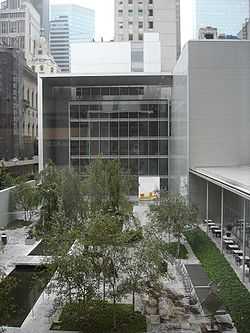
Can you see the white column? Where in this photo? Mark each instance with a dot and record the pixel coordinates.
(244, 239)
(222, 217)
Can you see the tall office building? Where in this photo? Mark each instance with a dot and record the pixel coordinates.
(19, 27)
(59, 42)
(81, 21)
(226, 15)
(42, 6)
(134, 17)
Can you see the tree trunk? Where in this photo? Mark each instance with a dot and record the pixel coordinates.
(104, 289)
(114, 303)
(178, 247)
(133, 296)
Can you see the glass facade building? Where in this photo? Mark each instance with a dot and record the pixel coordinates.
(81, 21)
(225, 15)
(125, 118)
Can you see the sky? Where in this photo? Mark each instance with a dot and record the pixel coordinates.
(105, 17)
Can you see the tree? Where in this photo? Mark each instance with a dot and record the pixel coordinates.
(172, 214)
(49, 189)
(6, 301)
(106, 187)
(6, 180)
(27, 198)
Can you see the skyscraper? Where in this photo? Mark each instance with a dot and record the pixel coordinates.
(42, 6)
(81, 21)
(226, 15)
(59, 42)
(134, 17)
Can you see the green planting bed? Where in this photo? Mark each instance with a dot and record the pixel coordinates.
(232, 293)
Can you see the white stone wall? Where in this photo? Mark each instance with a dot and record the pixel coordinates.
(6, 214)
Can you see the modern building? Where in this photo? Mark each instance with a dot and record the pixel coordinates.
(115, 116)
(60, 42)
(20, 27)
(117, 57)
(245, 31)
(209, 150)
(18, 106)
(42, 61)
(208, 33)
(81, 21)
(133, 18)
(226, 15)
(42, 6)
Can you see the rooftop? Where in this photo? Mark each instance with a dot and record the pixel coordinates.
(234, 178)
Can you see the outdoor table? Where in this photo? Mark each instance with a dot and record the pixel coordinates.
(213, 227)
(234, 248)
(228, 241)
(240, 259)
(217, 232)
(237, 252)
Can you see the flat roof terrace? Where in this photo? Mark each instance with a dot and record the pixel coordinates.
(233, 178)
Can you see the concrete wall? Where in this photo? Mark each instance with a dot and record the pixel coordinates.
(6, 207)
(219, 117)
(101, 57)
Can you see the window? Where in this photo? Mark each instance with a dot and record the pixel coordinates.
(140, 25)
(143, 128)
(140, 12)
(133, 147)
(163, 147)
(94, 129)
(153, 167)
(123, 129)
(153, 147)
(114, 147)
(84, 148)
(150, 2)
(143, 147)
(150, 12)
(153, 128)
(104, 126)
(130, 37)
(130, 12)
(150, 24)
(74, 130)
(74, 148)
(133, 128)
(114, 129)
(130, 2)
(41, 68)
(140, 36)
(84, 130)
(94, 147)
(163, 166)
(120, 12)
(163, 128)
(133, 166)
(104, 148)
(143, 166)
(123, 147)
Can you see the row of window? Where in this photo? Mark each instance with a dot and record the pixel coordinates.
(131, 2)
(144, 167)
(109, 91)
(12, 15)
(118, 111)
(132, 13)
(15, 42)
(12, 27)
(119, 147)
(119, 129)
(140, 25)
